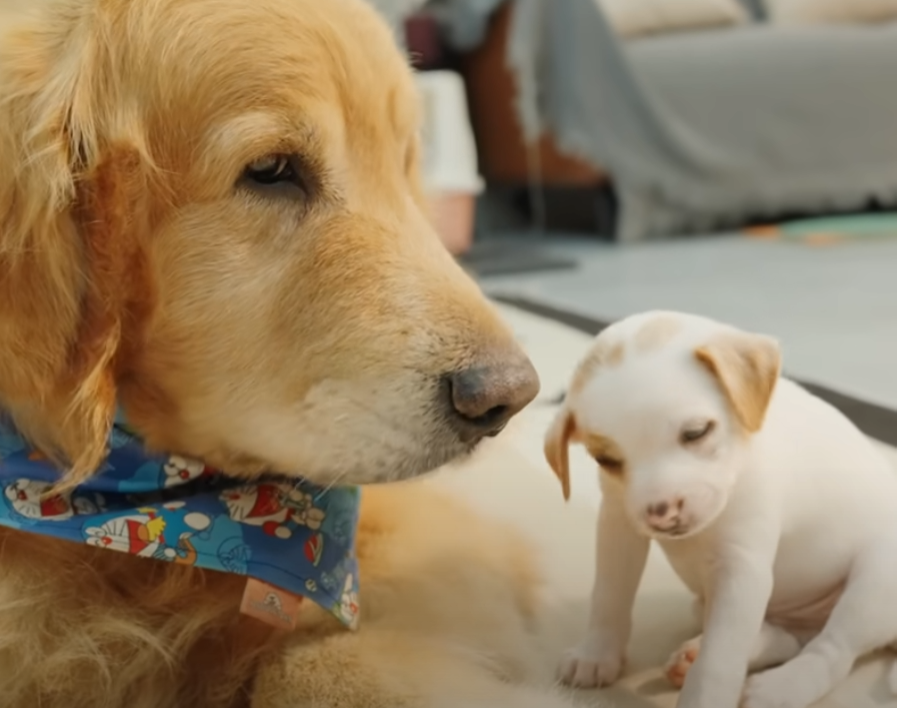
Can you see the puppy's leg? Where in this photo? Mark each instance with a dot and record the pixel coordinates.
(621, 558)
(773, 646)
(861, 622)
(379, 668)
(737, 598)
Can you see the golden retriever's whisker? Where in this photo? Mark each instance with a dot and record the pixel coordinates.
(330, 486)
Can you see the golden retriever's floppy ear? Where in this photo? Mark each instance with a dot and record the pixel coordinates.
(747, 368)
(557, 446)
(109, 211)
(67, 245)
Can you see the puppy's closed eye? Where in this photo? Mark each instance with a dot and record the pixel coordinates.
(606, 453)
(695, 432)
(610, 465)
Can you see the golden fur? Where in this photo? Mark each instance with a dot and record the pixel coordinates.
(305, 330)
(444, 594)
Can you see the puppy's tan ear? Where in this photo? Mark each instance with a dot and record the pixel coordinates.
(67, 244)
(747, 367)
(557, 447)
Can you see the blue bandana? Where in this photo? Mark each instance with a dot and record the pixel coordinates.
(286, 534)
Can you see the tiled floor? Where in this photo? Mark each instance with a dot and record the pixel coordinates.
(833, 307)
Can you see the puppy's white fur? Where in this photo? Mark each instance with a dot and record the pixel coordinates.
(773, 508)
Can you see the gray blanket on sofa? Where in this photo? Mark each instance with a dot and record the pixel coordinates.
(705, 130)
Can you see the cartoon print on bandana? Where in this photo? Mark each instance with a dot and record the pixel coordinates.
(314, 547)
(235, 555)
(168, 508)
(180, 470)
(348, 609)
(151, 533)
(276, 508)
(31, 499)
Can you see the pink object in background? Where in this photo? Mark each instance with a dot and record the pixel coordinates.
(450, 170)
(453, 216)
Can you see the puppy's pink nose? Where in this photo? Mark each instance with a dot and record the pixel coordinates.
(664, 514)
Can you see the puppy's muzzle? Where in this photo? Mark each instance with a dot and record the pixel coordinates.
(666, 517)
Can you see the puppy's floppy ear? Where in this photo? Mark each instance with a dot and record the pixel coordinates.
(747, 367)
(67, 243)
(557, 446)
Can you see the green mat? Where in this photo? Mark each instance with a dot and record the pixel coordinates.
(832, 228)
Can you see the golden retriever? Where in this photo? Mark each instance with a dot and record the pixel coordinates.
(210, 216)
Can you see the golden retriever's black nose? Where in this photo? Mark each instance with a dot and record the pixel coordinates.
(486, 398)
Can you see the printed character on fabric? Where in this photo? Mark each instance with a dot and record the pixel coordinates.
(35, 500)
(276, 508)
(348, 605)
(163, 533)
(286, 533)
(180, 470)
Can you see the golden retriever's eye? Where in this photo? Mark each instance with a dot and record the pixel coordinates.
(696, 433)
(609, 464)
(274, 170)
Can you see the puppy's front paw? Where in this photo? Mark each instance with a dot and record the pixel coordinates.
(680, 662)
(593, 664)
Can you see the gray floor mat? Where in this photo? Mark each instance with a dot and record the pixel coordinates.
(507, 257)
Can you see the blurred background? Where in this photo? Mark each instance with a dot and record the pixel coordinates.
(587, 159)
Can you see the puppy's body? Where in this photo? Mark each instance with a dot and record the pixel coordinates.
(776, 512)
(832, 493)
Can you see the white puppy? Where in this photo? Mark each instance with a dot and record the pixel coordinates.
(776, 512)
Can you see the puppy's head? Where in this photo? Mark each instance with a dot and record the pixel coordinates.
(210, 215)
(667, 404)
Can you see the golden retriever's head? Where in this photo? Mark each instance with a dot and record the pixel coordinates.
(210, 215)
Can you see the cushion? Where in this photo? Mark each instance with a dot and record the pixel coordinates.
(633, 18)
(795, 12)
